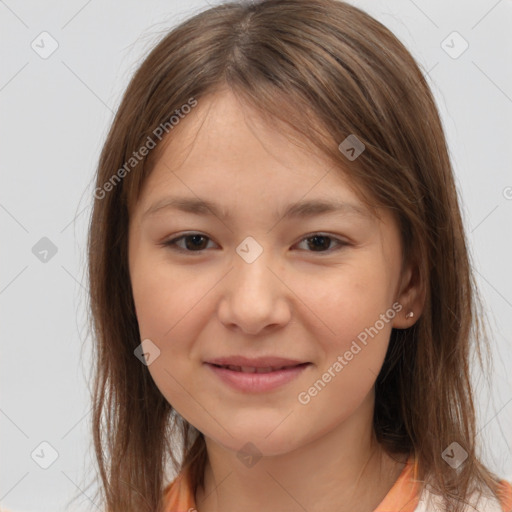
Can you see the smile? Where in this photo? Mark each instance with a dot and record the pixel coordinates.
(251, 379)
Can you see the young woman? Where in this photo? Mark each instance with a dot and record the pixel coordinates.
(281, 293)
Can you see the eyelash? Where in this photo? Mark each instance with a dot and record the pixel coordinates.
(171, 244)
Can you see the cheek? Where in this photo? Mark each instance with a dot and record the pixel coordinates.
(172, 308)
(349, 301)
(358, 316)
(164, 296)
(167, 304)
(154, 300)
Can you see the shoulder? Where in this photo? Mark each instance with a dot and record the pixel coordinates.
(178, 495)
(505, 495)
(430, 502)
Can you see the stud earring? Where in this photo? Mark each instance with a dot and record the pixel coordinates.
(409, 315)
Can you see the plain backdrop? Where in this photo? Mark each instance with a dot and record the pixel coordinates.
(55, 113)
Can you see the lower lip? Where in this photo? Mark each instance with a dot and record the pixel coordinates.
(258, 382)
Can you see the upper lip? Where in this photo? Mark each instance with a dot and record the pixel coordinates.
(257, 362)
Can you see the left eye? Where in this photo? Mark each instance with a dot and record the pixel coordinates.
(195, 242)
(319, 241)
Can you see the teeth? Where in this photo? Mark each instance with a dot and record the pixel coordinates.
(263, 370)
(248, 369)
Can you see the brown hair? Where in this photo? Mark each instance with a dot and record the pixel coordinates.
(327, 70)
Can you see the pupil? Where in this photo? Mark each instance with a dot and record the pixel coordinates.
(193, 245)
(324, 238)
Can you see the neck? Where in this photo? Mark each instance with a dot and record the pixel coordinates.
(355, 476)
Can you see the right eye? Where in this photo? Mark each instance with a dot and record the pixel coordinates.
(194, 242)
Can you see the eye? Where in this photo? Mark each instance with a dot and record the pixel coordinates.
(321, 243)
(196, 242)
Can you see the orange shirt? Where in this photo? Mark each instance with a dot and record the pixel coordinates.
(402, 497)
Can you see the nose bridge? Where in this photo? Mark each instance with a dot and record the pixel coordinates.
(251, 267)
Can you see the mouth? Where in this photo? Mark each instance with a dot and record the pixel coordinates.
(257, 369)
(256, 379)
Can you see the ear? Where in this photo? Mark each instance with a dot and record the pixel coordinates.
(411, 295)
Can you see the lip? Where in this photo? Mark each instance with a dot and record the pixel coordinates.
(259, 382)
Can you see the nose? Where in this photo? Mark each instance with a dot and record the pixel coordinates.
(254, 297)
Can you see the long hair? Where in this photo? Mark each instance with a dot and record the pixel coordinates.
(328, 70)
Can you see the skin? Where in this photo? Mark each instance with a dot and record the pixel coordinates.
(292, 301)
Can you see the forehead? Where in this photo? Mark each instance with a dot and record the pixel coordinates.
(225, 147)
(224, 127)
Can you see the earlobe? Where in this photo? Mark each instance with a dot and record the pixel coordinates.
(405, 319)
(412, 297)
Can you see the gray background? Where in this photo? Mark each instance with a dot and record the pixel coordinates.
(55, 114)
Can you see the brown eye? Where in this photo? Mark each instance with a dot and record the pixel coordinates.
(194, 242)
(319, 242)
(322, 243)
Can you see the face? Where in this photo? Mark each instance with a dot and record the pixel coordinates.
(241, 278)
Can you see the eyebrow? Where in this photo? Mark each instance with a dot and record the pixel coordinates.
(301, 209)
